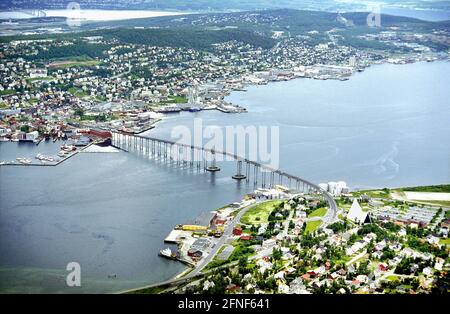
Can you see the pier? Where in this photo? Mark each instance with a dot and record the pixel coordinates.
(51, 164)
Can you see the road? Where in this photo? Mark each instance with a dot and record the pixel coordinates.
(197, 271)
(328, 218)
(223, 239)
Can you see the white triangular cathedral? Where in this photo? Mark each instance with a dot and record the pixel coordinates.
(356, 214)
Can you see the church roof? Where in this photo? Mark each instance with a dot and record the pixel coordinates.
(356, 214)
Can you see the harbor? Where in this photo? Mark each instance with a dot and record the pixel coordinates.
(71, 146)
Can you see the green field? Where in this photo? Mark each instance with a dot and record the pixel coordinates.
(260, 213)
(445, 241)
(178, 99)
(7, 92)
(373, 193)
(312, 226)
(77, 92)
(398, 194)
(320, 212)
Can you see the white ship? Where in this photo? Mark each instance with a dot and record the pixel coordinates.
(166, 253)
(23, 160)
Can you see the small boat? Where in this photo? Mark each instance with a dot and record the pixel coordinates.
(112, 276)
(68, 148)
(194, 109)
(169, 109)
(166, 252)
(24, 161)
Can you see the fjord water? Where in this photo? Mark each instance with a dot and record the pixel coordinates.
(388, 126)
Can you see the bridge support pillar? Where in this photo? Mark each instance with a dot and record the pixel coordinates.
(213, 167)
(272, 179)
(239, 176)
(191, 156)
(247, 171)
(263, 179)
(255, 175)
(199, 158)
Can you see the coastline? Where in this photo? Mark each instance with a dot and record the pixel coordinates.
(175, 118)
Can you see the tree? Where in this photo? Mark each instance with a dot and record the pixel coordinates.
(291, 225)
(404, 267)
(442, 284)
(25, 128)
(79, 112)
(243, 262)
(276, 254)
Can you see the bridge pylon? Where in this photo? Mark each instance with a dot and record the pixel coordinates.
(239, 176)
(213, 167)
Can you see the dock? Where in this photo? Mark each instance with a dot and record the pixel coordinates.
(178, 259)
(54, 164)
(173, 236)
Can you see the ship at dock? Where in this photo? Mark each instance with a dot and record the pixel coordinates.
(168, 253)
(169, 109)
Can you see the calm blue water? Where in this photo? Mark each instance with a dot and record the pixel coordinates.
(387, 126)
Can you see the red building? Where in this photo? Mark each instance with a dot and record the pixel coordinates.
(98, 133)
(220, 222)
(237, 231)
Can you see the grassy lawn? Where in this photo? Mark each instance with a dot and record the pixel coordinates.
(77, 92)
(445, 241)
(259, 213)
(312, 226)
(373, 193)
(178, 99)
(399, 194)
(320, 212)
(7, 92)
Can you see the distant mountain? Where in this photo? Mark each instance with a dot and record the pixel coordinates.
(266, 21)
(252, 27)
(223, 5)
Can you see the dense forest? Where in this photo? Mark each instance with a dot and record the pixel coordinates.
(186, 37)
(79, 48)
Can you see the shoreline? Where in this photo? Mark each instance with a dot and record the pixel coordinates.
(188, 268)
